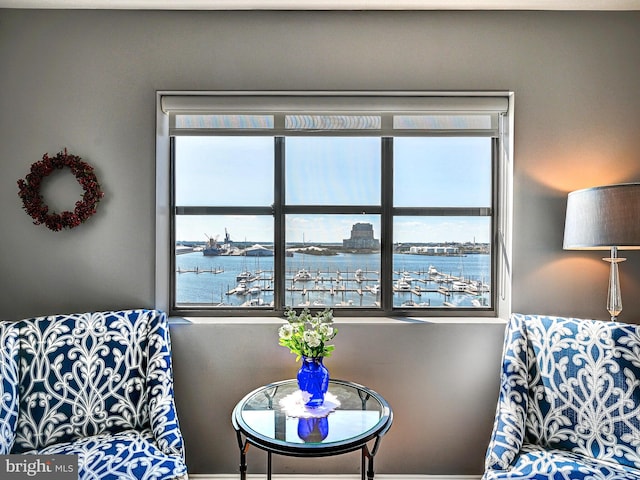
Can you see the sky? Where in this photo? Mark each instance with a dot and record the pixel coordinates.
(435, 171)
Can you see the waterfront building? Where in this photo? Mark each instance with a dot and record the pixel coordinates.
(362, 238)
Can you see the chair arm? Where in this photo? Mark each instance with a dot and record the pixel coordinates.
(162, 410)
(9, 381)
(510, 420)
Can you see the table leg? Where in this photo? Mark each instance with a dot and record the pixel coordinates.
(370, 469)
(243, 466)
(368, 454)
(244, 446)
(268, 465)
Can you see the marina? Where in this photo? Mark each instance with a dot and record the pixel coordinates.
(333, 281)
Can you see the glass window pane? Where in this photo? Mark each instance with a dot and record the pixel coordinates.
(442, 262)
(224, 171)
(332, 261)
(332, 170)
(442, 172)
(224, 261)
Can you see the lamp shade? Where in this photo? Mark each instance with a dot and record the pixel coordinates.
(603, 217)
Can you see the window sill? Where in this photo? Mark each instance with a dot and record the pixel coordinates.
(339, 320)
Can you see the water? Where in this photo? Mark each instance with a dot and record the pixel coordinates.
(459, 281)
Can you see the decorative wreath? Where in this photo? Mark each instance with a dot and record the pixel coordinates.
(33, 202)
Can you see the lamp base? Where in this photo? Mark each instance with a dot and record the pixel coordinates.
(614, 296)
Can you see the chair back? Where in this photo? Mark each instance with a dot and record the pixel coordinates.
(83, 374)
(583, 386)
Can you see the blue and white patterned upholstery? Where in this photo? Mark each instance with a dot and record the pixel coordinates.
(99, 385)
(8, 386)
(569, 401)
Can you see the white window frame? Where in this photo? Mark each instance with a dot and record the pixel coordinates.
(167, 101)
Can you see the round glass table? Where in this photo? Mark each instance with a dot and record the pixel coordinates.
(359, 423)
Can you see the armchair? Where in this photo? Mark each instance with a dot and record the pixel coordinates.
(97, 385)
(569, 401)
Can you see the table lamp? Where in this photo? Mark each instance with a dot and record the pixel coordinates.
(603, 218)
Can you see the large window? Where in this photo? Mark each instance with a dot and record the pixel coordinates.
(376, 205)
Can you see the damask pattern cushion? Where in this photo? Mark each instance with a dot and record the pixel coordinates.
(569, 402)
(538, 463)
(100, 385)
(127, 454)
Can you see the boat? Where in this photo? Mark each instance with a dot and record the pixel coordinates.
(255, 290)
(254, 302)
(476, 287)
(348, 303)
(213, 248)
(406, 277)
(244, 276)
(303, 275)
(412, 303)
(402, 285)
(359, 275)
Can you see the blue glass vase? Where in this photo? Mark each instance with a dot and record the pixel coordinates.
(313, 378)
(313, 430)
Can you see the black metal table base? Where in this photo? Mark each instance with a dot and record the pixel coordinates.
(366, 467)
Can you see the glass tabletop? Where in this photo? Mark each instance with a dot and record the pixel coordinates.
(362, 415)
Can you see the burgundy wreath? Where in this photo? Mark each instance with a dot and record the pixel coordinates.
(34, 204)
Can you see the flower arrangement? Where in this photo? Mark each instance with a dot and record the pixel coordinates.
(34, 204)
(306, 335)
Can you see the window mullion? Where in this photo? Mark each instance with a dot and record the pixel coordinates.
(333, 209)
(443, 211)
(279, 224)
(386, 222)
(495, 221)
(172, 224)
(227, 210)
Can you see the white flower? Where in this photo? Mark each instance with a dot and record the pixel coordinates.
(286, 331)
(326, 330)
(305, 334)
(312, 338)
(326, 316)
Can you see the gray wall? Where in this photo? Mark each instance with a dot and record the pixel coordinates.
(86, 80)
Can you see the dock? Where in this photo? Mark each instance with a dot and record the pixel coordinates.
(358, 287)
